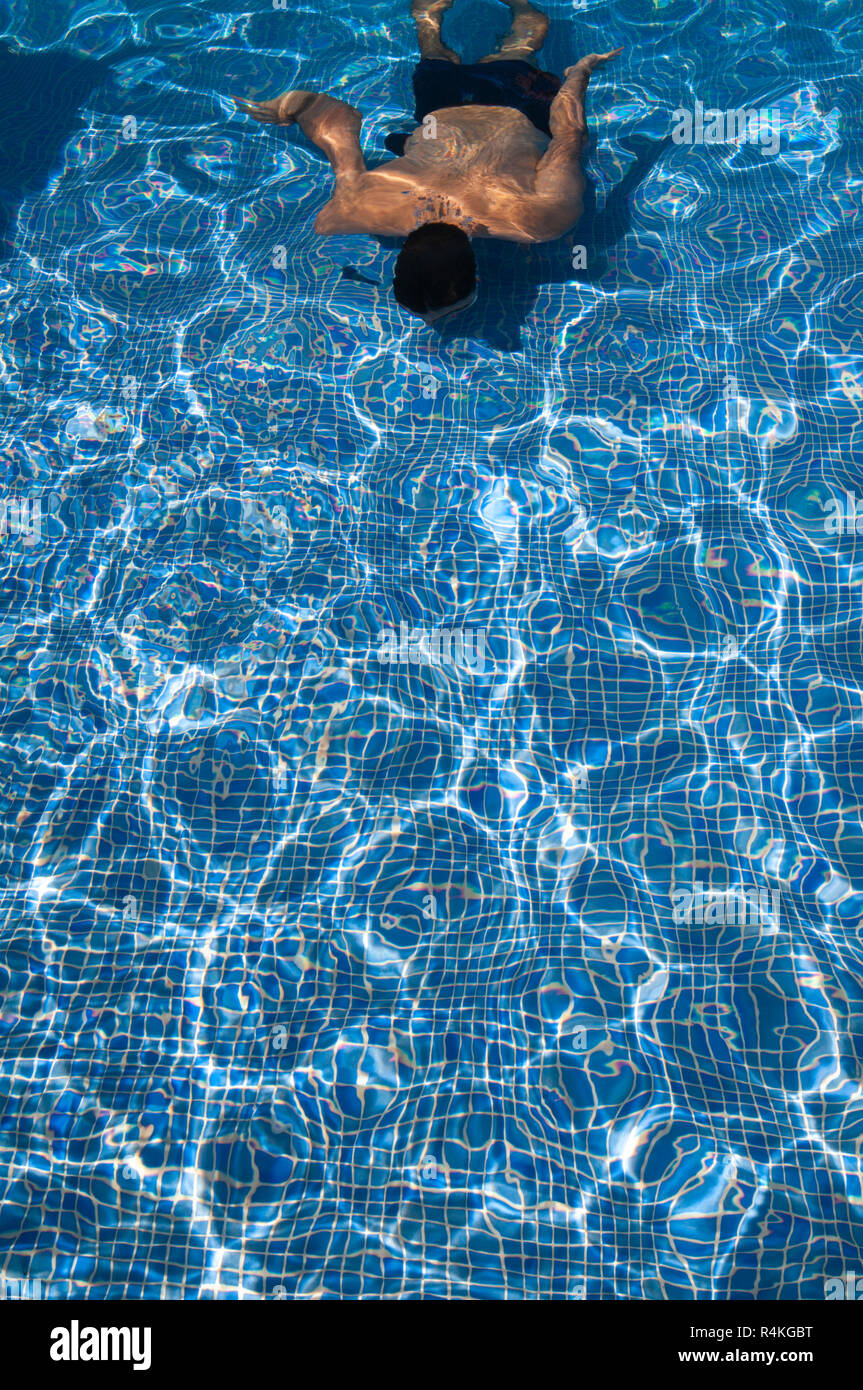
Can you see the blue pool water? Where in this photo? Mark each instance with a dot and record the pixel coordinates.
(325, 975)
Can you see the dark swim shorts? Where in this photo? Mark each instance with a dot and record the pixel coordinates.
(507, 82)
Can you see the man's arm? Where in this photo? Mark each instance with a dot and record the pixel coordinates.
(559, 180)
(333, 125)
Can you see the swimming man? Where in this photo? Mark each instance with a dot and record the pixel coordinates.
(496, 153)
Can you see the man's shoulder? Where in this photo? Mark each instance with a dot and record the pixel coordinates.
(380, 201)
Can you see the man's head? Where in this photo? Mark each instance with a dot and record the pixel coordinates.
(435, 271)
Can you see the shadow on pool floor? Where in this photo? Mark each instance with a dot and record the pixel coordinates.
(513, 274)
(41, 95)
(518, 272)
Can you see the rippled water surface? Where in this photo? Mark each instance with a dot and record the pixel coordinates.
(325, 975)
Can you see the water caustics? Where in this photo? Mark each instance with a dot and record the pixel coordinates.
(430, 761)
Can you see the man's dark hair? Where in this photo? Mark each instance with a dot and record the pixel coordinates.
(436, 267)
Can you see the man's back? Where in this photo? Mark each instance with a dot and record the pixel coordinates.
(475, 167)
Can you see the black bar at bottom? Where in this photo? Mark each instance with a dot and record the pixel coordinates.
(231, 1337)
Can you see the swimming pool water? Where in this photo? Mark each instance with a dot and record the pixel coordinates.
(328, 972)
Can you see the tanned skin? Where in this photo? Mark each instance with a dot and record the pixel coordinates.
(487, 170)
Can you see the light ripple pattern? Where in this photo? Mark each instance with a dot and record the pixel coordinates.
(330, 976)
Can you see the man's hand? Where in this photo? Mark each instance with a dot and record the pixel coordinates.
(590, 61)
(281, 110)
(311, 110)
(567, 117)
(333, 125)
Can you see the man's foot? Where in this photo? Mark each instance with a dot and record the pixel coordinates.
(428, 17)
(525, 36)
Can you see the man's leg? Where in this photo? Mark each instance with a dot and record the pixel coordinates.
(525, 36)
(428, 16)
